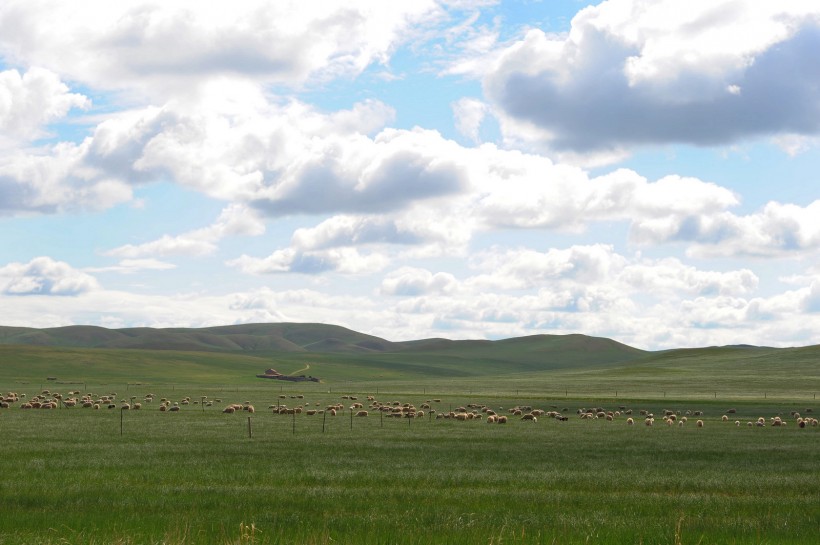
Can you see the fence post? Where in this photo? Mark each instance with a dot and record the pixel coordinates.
(250, 431)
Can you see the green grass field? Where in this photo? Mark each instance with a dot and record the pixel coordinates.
(74, 475)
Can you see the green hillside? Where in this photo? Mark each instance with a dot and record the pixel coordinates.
(545, 364)
(284, 337)
(524, 353)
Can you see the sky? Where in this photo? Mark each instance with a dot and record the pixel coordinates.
(647, 171)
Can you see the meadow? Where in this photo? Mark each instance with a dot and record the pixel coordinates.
(199, 476)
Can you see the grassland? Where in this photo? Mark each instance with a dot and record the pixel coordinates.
(74, 475)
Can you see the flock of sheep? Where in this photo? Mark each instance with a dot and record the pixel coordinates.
(392, 409)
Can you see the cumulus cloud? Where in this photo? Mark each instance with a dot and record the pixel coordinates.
(670, 276)
(290, 260)
(525, 269)
(633, 73)
(530, 191)
(168, 45)
(775, 231)
(367, 175)
(412, 281)
(32, 100)
(45, 276)
(56, 180)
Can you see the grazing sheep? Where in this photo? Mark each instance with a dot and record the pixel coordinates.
(630, 422)
(174, 409)
(725, 418)
(491, 419)
(502, 419)
(125, 407)
(250, 409)
(361, 413)
(649, 421)
(229, 409)
(529, 416)
(699, 423)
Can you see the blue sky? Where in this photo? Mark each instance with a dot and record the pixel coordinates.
(644, 171)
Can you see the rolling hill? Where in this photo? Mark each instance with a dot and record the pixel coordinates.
(236, 354)
(320, 339)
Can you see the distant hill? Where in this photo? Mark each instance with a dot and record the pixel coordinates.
(325, 339)
(236, 354)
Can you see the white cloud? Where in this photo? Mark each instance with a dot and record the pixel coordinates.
(350, 230)
(133, 266)
(530, 191)
(289, 260)
(642, 73)
(182, 245)
(55, 180)
(45, 276)
(169, 45)
(678, 305)
(31, 100)
(670, 276)
(412, 281)
(526, 269)
(469, 114)
(775, 231)
(795, 144)
(236, 219)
